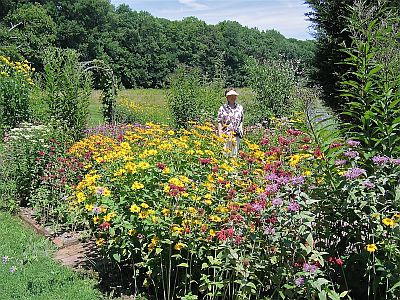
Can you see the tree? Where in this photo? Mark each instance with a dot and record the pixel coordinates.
(330, 18)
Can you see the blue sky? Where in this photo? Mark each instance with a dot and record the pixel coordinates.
(286, 16)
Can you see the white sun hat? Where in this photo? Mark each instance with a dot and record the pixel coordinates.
(232, 93)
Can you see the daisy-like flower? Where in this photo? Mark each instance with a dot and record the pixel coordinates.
(371, 248)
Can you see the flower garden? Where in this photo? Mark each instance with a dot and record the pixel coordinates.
(310, 209)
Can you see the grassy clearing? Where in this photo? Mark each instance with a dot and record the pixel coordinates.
(150, 105)
(37, 276)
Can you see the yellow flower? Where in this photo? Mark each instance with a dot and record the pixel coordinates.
(213, 232)
(144, 205)
(171, 132)
(294, 160)
(389, 222)
(131, 231)
(179, 246)
(177, 229)
(134, 208)
(192, 210)
(208, 201)
(103, 209)
(137, 186)
(143, 215)
(143, 165)
(307, 173)
(178, 213)
(100, 242)
(106, 192)
(154, 219)
(96, 220)
(215, 219)
(166, 170)
(89, 207)
(80, 197)
(165, 211)
(397, 216)
(371, 248)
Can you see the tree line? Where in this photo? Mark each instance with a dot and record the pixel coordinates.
(142, 49)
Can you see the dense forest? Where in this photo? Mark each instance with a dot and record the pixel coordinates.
(142, 49)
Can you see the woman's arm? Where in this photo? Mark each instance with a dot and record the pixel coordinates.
(219, 129)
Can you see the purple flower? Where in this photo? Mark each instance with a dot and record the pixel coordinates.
(257, 207)
(96, 210)
(271, 188)
(277, 201)
(353, 143)
(309, 268)
(350, 154)
(269, 230)
(298, 180)
(368, 184)
(13, 269)
(299, 281)
(5, 259)
(293, 206)
(281, 181)
(340, 162)
(395, 161)
(262, 196)
(354, 173)
(380, 160)
(100, 190)
(272, 177)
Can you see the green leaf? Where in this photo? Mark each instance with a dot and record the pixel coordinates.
(117, 257)
(183, 265)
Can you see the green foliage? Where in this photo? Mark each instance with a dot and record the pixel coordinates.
(23, 148)
(34, 31)
(192, 98)
(143, 106)
(274, 83)
(37, 275)
(15, 86)
(67, 89)
(373, 86)
(143, 50)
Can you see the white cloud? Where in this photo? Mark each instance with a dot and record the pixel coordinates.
(193, 4)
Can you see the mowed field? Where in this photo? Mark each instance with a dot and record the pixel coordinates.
(152, 104)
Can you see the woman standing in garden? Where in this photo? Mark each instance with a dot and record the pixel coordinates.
(230, 122)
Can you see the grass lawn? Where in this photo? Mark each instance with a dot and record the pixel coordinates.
(30, 273)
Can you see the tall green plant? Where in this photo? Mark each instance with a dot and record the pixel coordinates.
(274, 83)
(67, 89)
(15, 87)
(192, 98)
(373, 86)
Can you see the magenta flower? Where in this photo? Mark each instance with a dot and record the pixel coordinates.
(354, 173)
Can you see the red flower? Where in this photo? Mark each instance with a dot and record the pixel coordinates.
(264, 141)
(41, 153)
(204, 161)
(295, 132)
(221, 235)
(229, 232)
(105, 225)
(214, 169)
(317, 152)
(245, 172)
(161, 166)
